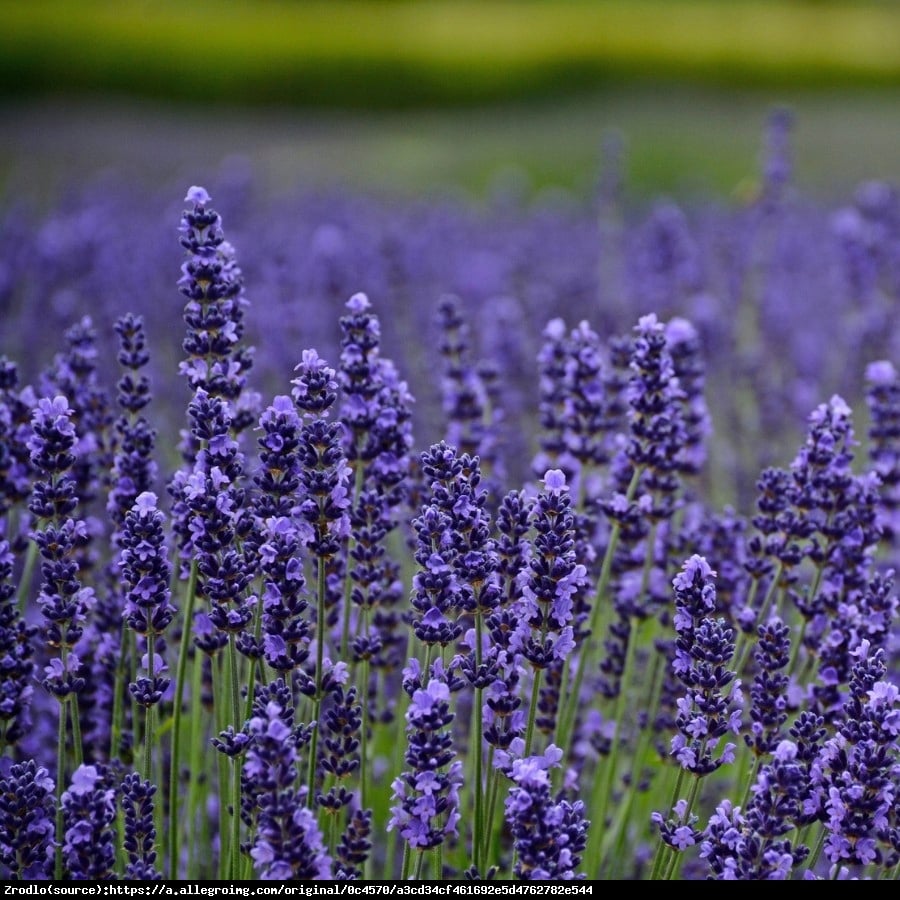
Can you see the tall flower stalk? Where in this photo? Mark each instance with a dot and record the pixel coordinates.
(323, 508)
(146, 574)
(64, 602)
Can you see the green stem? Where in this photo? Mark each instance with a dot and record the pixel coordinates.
(236, 761)
(479, 756)
(399, 748)
(31, 556)
(676, 858)
(751, 780)
(224, 781)
(317, 700)
(119, 689)
(487, 832)
(532, 710)
(364, 737)
(171, 834)
(604, 786)
(817, 850)
(795, 648)
(60, 781)
(256, 666)
(663, 849)
(634, 631)
(619, 833)
(76, 732)
(404, 871)
(196, 818)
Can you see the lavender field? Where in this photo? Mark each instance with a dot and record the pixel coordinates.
(352, 537)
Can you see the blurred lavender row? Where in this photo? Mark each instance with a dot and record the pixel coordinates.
(790, 300)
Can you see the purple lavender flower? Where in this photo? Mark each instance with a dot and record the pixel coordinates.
(679, 830)
(63, 600)
(436, 594)
(703, 649)
(821, 470)
(140, 833)
(683, 342)
(426, 795)
(883, 399)
(146, 574)
(216, 503)
(277, 538)
(513, 523)
(277, 477)
(324, 473)
(133, 472)
(721, 538)
(134, 469)
(74, 375)
(780, 528)
(26, 822)
(287, 843)
(360, 378)
(545, 634)
(471, 420)
(15, 428)
(549, 835)
(376, 412)
(324, 506)
(16, 652)
(354, 846)
(502, 713)
(341, 724)
(856, 770)
(287, 630)
(579, 407)
(656, 418)
(750, 845)
(768, 706)
(213, 285)
(89, 811)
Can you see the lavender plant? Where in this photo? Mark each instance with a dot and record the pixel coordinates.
(468, 660)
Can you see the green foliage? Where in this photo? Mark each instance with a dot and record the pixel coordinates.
(385, 53)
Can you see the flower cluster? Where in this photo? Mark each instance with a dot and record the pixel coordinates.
(549, 835)
(395, 652)
(426, 796)
(145, 576)
(288, 843)
(213, 285)
(711, 704)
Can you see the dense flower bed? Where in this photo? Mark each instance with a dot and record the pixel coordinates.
(505, 555)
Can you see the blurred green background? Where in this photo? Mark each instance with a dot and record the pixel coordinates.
(415, 94)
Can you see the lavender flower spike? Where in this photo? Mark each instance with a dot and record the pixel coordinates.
(287, 843)
(26, 822)
(146, 574)
(549, 836)
(703, 648)
(89, 811)
(426, 807)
